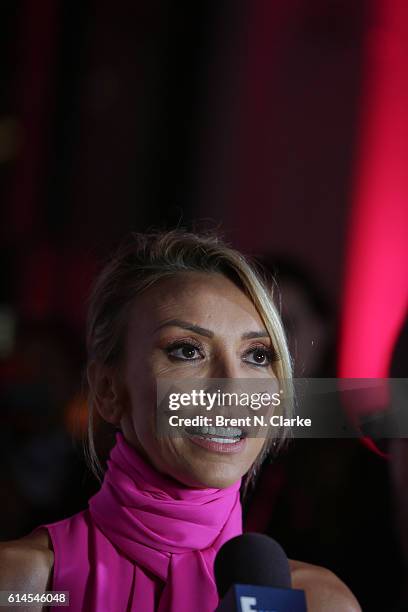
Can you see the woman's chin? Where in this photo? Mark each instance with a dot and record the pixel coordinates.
(211, 476)
(210, 467)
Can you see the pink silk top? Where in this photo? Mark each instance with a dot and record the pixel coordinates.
(145, 543)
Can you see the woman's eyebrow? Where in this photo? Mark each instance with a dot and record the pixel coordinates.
(262, 333)
(186, 325)
(206, 332)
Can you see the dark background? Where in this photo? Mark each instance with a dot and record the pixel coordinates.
(244, 115)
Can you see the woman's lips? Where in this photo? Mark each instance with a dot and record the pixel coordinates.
(217, 447)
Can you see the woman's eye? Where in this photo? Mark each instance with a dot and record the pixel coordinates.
(260, 356)
(185, 351)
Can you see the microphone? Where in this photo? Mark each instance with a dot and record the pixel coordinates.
(252, 575)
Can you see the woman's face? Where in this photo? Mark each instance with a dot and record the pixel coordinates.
(192, 325)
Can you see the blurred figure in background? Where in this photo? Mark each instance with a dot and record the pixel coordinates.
(308, 316)
(325, 497)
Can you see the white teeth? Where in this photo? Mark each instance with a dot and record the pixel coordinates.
(223, 440)
(229, 432)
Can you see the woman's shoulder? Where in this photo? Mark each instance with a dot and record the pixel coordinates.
(324, 590)
(26, 564)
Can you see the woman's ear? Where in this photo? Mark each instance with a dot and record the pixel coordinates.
(104, 383)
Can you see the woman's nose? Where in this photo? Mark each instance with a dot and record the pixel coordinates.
(225, 366)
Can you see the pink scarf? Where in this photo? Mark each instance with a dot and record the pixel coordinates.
(149, 526)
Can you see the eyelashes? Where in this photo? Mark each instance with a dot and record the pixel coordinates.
(189, 350)
(269, 353)
(184, 349)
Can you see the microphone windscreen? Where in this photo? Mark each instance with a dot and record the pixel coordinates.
(251, 558)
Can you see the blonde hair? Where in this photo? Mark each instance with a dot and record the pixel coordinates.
(142, 260)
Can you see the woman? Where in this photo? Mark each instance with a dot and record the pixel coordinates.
(177, 305)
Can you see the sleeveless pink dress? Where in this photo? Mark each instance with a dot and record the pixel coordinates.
(145, 543)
